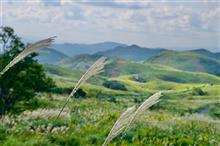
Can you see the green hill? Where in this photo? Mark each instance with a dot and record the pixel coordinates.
(146, 72)
(188, 61)
(76, 49)
(138, 80)
(50, 56)
(150, 72)
(132, 52)
(207, 53)
(80, 62)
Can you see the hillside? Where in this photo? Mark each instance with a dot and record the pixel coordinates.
(186, 96)
(150, 72)
(50, 56)
(132, 52)
(76, 49)
(147, 71)
(188, 61)
(207, 53)
(80, 62)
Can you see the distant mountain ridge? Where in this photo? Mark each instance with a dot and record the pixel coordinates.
(132, 52)
(198, 60)
(185, 60)
(76, 49)
(207, 53)
(50, 56)
(79, 62)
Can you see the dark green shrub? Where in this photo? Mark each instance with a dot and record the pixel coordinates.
(112, 99)
(116, 85)
(80, 93)
(59, 90)
(94, 139)
(3, 133)
(185, 141)
(138, 100)
(65, 140)
(198, 91)
(172, 78)
(138, 78)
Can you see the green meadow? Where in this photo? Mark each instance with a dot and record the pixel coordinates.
(33, 95)
(188, 113)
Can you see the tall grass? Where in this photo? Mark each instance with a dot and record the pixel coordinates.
(120, 124)
(127, 118)
(30, 49)
(93, 70)
(144, 106)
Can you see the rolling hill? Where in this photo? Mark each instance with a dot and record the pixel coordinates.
(133, 52)
(150, 72)
(207, 53)
(76, 49)
(80, 62)
(147, 71)
(199, 60)
(195, 61)
(50, 56)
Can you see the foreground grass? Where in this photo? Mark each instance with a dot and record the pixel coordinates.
(88, 121)
(183, 117)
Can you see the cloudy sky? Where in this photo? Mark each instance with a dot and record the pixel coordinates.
(166, 24)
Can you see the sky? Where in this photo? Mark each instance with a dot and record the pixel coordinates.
(170, 24)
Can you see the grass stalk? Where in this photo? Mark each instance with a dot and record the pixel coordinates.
(29, 50)
(127, 118)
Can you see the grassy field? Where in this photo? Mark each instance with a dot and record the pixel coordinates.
(188, 114)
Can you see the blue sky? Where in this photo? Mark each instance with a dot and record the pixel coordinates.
(166, 24)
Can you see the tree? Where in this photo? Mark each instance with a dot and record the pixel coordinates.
(23, 80)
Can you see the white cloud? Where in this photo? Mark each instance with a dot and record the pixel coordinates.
(211, 19)
(69, 18)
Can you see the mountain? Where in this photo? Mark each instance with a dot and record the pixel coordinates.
(76, 49)
(207, 53)
(132, 52)
(50, 56)
(196, 61)
(79, 62)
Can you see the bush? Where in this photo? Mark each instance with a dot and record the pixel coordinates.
(60, 90)
(198, 91)
(80, 93)
(112, 99)
(138, 100)
(65, 140)
(116, 85)
(138, 78)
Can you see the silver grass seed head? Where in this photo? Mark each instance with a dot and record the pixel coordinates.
(30, 49)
